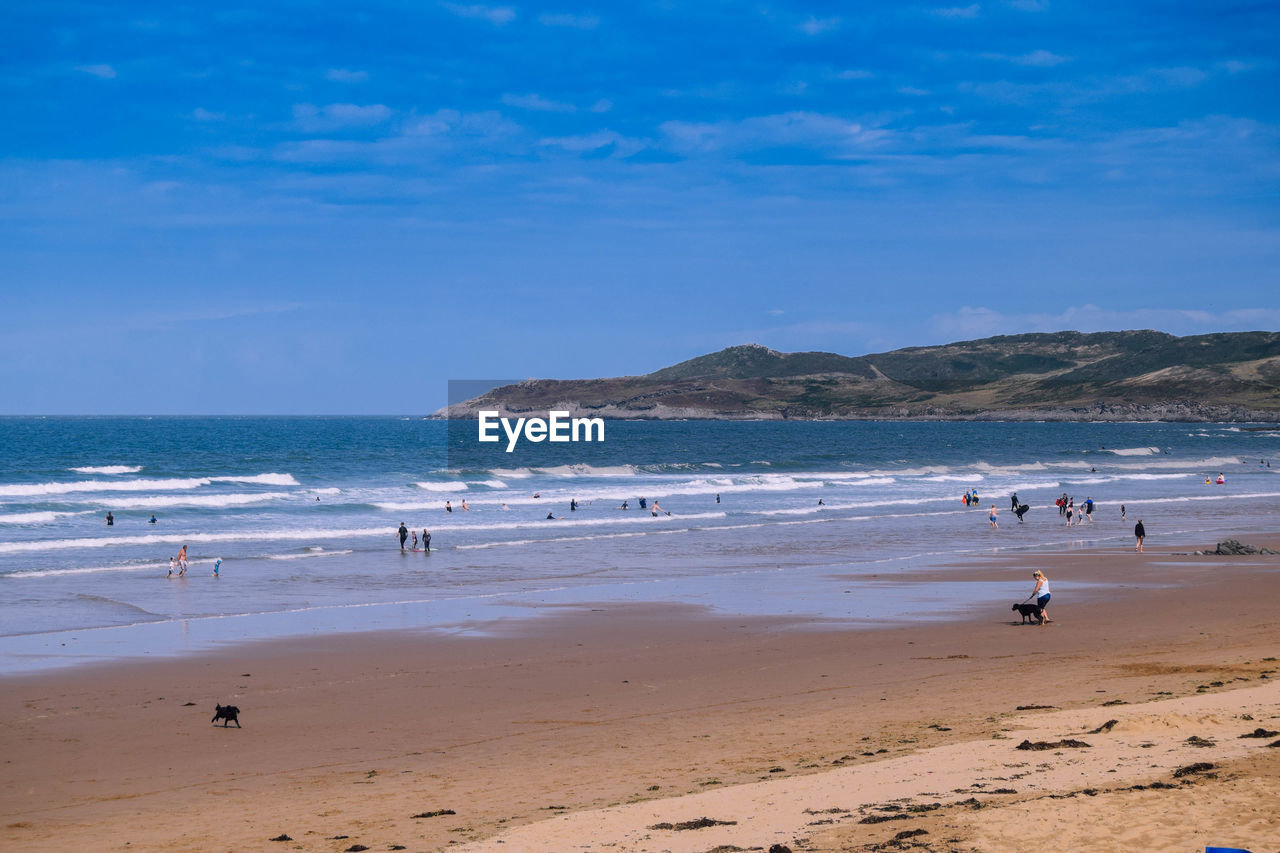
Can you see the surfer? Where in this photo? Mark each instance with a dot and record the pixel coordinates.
(426, 540)
(465, 508)
(624, 505)
(404, 534)
(448, 507)
(111, 519)
(820, 503)
(217, 564)
(153, 519)
(643, 503)
(717, 497)
(1013, 502)
(573, 505)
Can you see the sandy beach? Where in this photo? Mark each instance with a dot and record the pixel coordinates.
(583, 730)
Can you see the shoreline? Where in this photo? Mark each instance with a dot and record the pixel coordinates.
(354, 734)
(897, 583)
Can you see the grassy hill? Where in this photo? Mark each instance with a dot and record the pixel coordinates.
(1131, 375)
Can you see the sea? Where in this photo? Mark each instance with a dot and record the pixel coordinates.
(822, 522)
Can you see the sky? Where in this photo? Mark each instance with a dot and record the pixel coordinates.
(296, 208)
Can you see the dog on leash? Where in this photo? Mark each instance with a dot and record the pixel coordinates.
(1027, 610)
(226, 713)
(1021, 511)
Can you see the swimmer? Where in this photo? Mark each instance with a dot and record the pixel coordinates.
(448, 507)
(153, 520)
(465, 508)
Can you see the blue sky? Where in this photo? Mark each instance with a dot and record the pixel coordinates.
(297, 208)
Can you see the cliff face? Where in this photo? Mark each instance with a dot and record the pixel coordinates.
(1135, 375)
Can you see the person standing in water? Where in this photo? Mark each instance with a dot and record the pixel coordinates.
(1122, 512)
(992, 518)
(415, 540)
(448, 507)
(404, 534)
(173, 564)
(1013, 502)
(426, 540)
(1139, 533)
(182, 561)
(217, 566)
(111, 519)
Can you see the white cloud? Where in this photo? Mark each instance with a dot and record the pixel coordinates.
(802, 129)
(312, 119)
(201, 114)
(854, 74)
(496, 15)
(1030, 5)
(968, 323)
(816, 26)
(105, 72)
(345, 75)
(577, 22)
(620, 145)
(970, 11)
(602, 106)
(1037, 58)
(537, 102)
(912, 90)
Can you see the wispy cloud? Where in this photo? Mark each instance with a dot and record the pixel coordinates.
(1037, 58)
(1030, 5)
(346, 75)
(970, 11)
(565, 19)
(817, 26)
(537, 102)
(103, 71)
(816, 131)
(313, 119)
(496, 15)
(969, 322)
(201, 114)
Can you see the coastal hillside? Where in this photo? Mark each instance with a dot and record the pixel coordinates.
(1130, 375)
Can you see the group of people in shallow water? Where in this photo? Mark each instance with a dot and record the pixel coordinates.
(403, 533)
(181, 565)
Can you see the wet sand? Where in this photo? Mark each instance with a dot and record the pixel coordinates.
(603, 706)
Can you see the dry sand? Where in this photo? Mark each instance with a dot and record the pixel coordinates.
(579, 731)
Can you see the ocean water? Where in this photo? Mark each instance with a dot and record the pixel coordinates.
(303, 513)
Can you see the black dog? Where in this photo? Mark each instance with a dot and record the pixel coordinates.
(228, 714)
(1026, 610)
(1021, 511)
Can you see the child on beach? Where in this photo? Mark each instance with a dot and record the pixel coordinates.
(415, 540)
(217, 566)
(173, 564)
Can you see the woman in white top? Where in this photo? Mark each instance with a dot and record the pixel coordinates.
(1041, 595)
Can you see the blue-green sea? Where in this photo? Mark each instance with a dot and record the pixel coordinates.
(764, 518)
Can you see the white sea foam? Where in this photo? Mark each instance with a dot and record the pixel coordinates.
(33, 517)
(311, 552)
(140, 485)
(332, 490)
(512, 473)
(588, 471)
(23, 489)
(492, 484)
(260, 479)
(213, 501)
(1134, 451)
(107, 469)
(447, 486)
